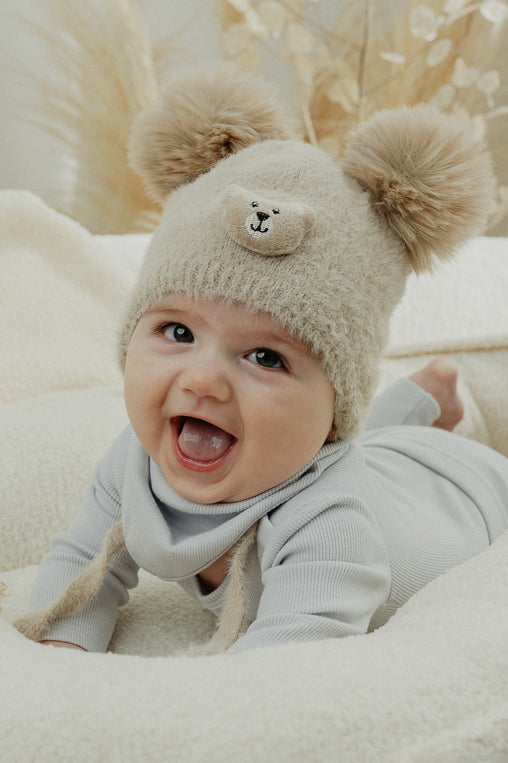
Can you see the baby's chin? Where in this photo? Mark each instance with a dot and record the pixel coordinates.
(203, 489)
(209, 496)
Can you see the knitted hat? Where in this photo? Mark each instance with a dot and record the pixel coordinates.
(253, 216)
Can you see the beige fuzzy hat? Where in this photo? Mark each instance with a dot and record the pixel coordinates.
(254, 216)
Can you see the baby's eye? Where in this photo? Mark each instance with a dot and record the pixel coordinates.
(177, 332)
(266, 358)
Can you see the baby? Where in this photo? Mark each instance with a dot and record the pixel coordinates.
(250, 354)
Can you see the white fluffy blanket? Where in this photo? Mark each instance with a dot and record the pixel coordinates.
(429, 686)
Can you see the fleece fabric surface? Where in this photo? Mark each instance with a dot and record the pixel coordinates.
(428, 686)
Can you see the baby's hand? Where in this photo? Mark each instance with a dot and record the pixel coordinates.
(63, 643)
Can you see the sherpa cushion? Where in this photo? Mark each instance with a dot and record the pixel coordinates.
(428, 686)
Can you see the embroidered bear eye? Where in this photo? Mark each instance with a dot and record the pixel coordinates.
(254, 204)
(275, 211)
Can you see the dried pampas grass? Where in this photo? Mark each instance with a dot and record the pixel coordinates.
(353, 59)
(347, 60)
(99, 75)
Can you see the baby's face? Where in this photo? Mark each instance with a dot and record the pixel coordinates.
(225, 402)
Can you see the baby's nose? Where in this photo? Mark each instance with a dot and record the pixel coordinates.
(205, 380)
(262, 216)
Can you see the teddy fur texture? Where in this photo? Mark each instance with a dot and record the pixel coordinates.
(203, 118)
(423, 188)
(427, 178)
(78, 593)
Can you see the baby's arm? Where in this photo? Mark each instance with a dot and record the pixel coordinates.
(91, 626)
(427, 398)
(325, 581)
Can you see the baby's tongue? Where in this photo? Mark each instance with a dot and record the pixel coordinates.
(202, 441)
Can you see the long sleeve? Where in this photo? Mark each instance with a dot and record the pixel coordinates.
(325, 581)
(403, 402)
(92, 626)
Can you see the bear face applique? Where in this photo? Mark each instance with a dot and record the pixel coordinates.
(263, 225)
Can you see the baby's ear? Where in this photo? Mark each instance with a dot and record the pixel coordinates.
(428, 177)
(203, 117)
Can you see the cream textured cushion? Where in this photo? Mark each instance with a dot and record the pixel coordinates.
(429, 686)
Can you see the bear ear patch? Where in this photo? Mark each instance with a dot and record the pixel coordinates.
(427, 177)
(202, 118)
(264, 225)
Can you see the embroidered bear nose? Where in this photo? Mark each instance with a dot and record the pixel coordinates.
(262, 216)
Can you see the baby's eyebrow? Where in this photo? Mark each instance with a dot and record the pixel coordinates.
(161, 309)
(272, 337)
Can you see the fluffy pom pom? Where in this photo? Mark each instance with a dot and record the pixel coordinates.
(203, 117)
(428, 177)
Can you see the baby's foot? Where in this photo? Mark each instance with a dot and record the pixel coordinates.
(439, 379)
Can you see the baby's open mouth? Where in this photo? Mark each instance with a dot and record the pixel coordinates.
(200, 441)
